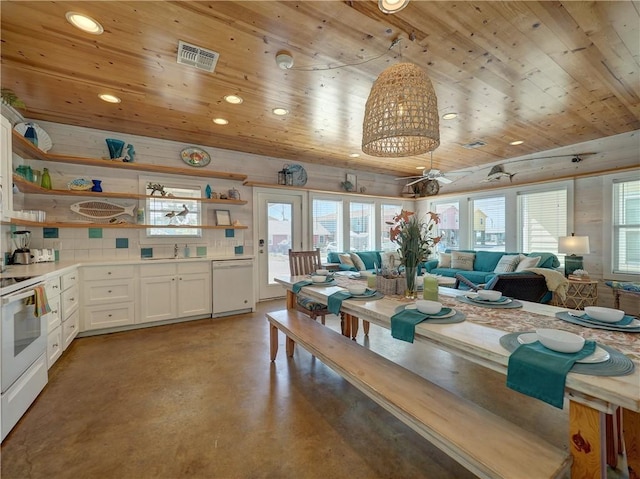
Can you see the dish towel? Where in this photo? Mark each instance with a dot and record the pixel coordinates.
(299, 285)
(39, 300)
(334, 301)
(541, 373)
(403, 324)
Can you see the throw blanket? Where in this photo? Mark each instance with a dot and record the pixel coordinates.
(556, 281)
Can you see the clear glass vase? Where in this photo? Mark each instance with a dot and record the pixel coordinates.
(411, 273)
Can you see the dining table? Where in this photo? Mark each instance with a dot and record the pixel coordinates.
(590, 398)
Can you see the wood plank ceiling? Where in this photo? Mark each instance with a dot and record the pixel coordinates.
(549, 73)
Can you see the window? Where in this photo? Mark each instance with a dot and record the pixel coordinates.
(543, 219)
(449, 226)
(387, 212)
(175, 208)
(327, 226)
(362, 226)
(488, 223)
(626, 227)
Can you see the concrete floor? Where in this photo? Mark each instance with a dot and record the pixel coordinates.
(201, 399)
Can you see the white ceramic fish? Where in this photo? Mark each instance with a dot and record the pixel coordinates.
(101, 209)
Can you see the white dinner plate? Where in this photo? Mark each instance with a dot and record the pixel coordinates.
(486, 301)
(44, 141)
(444, 316)
(599, 355)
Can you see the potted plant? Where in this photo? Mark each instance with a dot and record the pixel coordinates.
(10, 102)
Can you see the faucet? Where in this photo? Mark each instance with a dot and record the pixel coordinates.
(175, 250)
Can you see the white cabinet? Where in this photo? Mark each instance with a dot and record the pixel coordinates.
(108, 296)
(69, 306)
(54, 321)
(6, 170)
(174, 290)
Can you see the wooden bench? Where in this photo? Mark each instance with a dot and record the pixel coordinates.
(486, 444)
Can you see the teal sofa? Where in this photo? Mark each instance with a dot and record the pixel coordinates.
(371, 260)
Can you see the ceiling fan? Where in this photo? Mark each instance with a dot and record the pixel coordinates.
(431, 178)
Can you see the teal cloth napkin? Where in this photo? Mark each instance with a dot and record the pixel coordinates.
(298, 286)
(541, 373)
(334, 301)
(403, 324)
(623, 322)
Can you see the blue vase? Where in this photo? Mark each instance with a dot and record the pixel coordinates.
(207, 191)
(115, 148)
(31, 134)
(97, 185)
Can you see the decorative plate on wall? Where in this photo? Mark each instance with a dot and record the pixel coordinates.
(194, 156)
(44, 141)
(299, 175)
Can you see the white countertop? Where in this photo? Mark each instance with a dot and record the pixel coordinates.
(42, 271)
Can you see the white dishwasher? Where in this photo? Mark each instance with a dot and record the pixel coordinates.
(232, 286)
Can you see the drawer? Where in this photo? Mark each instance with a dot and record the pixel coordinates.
(97, 292)
(69, 301)
(69, 279)
(70, 329)
(108, 316)
(194, 267)
(52, 287)
(54, 346)
(92, 273)
(53, 317)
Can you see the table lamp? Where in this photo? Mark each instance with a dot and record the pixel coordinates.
(574, 247)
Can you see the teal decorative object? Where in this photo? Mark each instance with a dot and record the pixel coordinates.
(30, 134)
(207, 191)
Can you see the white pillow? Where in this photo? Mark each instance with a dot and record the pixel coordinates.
(527, 262)
(357, 262)
(463, 261)
(390, 260)
(444, 260)
(507, 263)
(346, 259)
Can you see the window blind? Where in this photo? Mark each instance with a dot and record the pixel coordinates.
(626, 227)
(543, 219)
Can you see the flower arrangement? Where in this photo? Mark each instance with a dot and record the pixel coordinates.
(415, 239)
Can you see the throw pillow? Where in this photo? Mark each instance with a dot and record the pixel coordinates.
(444, 260)
(463, 261)
(346, 259)
(527, 262)
(357, 262)
(390, 260)
(507, 263)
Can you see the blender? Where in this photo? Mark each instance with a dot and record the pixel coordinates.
(22, 254)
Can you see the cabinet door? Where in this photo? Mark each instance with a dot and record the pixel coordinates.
(158, 299)
(54, 346)
(70, 328)
(194, 294)
(6, 170)
(53, 317)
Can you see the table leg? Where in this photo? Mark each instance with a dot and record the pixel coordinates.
(273, 344)
(291, 300)
(631, 435)
(365, 327)
(354, 326)
(345, 321)
(587, 442)
(612, 440)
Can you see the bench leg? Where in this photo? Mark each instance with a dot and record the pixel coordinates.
(273, 342)
(631, 434)
(587, 442)
(290, 346)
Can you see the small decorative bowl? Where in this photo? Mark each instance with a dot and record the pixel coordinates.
(80, 184)
(316, 278)
(561, 341)
(322, 272)
(357, 288)
(489, 294)
(607, 315)
(426, 306)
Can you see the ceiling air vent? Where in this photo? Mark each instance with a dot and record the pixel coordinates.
(198, 57)
(475, 144)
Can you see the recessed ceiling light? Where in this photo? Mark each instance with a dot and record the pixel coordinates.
(449, 116)
(516, 142)
(233, 99)
(280, 111)
(84, 23)
(392, 6)
(354, 155)
(109, 98)
(220, 121)
(420, 167)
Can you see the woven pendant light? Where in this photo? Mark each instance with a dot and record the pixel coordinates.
(401, 114)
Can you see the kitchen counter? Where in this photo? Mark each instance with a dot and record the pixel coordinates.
(37, 272)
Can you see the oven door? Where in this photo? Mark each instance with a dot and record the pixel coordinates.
(24, 336)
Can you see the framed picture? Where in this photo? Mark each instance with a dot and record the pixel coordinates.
(223, 217)
(351, 178)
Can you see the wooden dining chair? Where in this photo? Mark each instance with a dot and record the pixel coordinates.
(301, 263)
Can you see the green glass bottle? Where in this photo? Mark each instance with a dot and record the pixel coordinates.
(46, 179)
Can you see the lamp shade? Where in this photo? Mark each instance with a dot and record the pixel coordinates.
(577, 245)
(401, 114)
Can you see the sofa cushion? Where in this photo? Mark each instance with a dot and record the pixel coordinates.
(487, 260)
(463, 261)
(390, 260)
(444, 260)
(357, 262)
(527, 262)
(332, 257)
(345, 258)
(371, 259)
(507, 263)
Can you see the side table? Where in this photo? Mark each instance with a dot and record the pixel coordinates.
(579, 295)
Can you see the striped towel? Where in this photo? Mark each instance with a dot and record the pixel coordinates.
(39, 300)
